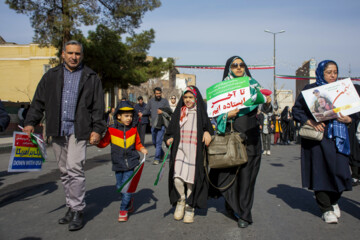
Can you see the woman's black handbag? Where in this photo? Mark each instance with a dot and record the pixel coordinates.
(227, 150)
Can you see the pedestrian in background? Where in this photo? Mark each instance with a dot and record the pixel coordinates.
(4, 118)
(142, 121)
(72, 97)
(286, 125)
(278, 129)
(173, 103)
(125, 142)
(20, 115)
(325, 164)
(239, 197)
(266, 124)
(110, 118)
(188, 131)
(155, 108)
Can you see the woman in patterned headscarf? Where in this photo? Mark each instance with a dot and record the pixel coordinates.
(189, 130)
(325, 163)
(239, 196)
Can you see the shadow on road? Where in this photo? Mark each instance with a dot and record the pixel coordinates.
(26, 191)
(302, 199)
(296, 198)
(100, 198)
(142, 197)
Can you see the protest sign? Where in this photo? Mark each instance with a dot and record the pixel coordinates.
(327, 101)
(25, 154)
(227, 95)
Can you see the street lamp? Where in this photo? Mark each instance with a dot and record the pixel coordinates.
(274, 33)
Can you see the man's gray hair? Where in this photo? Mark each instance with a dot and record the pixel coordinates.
(73, 42)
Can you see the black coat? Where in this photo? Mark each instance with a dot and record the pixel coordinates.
(323, 168)
(89, 108)
(354, 143)
(240, 195)
(199, 195)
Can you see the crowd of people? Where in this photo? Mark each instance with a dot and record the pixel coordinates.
(184, 126)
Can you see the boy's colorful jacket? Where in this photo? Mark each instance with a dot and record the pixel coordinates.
(125, 142)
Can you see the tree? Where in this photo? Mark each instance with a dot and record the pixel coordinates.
(122, 63)
(56, 21)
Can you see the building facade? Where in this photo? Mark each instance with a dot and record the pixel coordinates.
(21, 68)
(307, 69)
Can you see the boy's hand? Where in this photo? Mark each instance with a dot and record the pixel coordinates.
(170, 141)
(144, 151)
(206, 138)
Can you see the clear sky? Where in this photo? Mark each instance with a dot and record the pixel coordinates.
(209, 32)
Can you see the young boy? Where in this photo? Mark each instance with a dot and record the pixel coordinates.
(125, 142)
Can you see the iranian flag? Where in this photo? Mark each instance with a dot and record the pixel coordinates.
(162, 168)
(131, 184)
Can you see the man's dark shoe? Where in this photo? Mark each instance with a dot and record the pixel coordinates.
(242, 223)
(77, 222)
(67, 218)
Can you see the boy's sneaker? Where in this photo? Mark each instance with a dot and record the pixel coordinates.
(131, 205)
(337, 210)
(329, 217)
(123, 216)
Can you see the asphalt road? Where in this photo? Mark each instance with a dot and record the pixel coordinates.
(31, 203)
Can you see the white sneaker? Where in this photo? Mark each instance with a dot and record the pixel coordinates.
(189, 214)
(329, 217)
(268, 153)
(337, 210)
(180, 209)
(264, 152)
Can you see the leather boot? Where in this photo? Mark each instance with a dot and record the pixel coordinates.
(67, 218)
(77, 222)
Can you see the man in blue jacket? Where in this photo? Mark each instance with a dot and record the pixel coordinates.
(72, 97)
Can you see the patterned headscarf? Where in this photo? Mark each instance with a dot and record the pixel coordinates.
(192, 90)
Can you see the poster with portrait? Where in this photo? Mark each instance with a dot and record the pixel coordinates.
(328, 101)
(227, 95)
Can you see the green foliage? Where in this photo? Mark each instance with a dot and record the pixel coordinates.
(118, 63)
(57, 21)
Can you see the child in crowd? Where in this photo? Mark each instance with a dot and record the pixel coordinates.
(188, 132)
(125, 142)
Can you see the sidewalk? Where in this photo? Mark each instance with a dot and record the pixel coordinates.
(6, 142)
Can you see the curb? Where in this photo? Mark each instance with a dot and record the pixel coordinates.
(5, 148)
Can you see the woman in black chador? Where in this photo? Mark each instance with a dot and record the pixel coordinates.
(239, 196)
(286, 126)
(188, 132)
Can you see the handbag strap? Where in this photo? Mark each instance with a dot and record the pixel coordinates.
(207, 173)
(221, 188)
